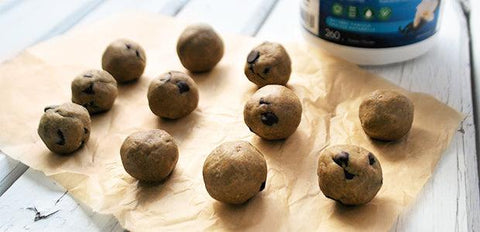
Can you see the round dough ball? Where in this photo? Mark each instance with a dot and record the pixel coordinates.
(172, 95)
(349, 174)
(273, 112)
(267, 64)
(234, 172)
(95, 90)
(199, 48)
(64, 128)
(125, 60)
(149, 156)
(386, 115)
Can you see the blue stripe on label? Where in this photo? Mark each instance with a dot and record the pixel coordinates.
(366, 27)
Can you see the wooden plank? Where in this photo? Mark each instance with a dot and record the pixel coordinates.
(450, 200)
(32, 191)
(475, 52)
(110, 7)
(239, 16)
(7, 5)
(283, 24)
(10, 170)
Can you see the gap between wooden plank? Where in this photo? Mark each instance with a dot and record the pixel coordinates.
(245, 17)
(71, 20)
(263, 14)
(473, 18)
(471, 9)
(173, 7)
(8, 4)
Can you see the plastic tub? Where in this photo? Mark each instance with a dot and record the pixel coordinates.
(372, 32)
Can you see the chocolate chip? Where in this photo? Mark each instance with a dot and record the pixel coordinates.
(253, 56)
(341, 159)
(266, 70)
(348, 175)
(85, 130)
(89, 90)
(128, 46)
(262, 187)
(269, 118)
(182, 86)
(49, 108)
(262, 101)
(371, 159)
(138, 54)
(61, 137)
(88, 75)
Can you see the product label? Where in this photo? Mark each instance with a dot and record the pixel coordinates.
(371, 23)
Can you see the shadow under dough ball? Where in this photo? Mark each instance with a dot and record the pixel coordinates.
(64, 128)
(149, 156)
(125, 60)
(95, 90)
(267, 64)
(386, 115)
(349, 174)
(172, 95)
(273, 112)
(234, 172)
(199, 48)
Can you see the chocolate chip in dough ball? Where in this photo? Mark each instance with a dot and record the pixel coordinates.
(172, 95)
(149, 156)
(349, 174)
(95, 90)
(199, 48)
(64, 128)
(234, 172)
(125, 60)
(267, 64)
(273, 112)
(386, 115)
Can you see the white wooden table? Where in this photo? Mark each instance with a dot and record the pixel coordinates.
(449, 201)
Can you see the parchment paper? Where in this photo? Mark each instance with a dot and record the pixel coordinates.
(330, 91)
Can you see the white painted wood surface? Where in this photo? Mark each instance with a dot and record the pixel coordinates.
(449, 201)
(34, 190)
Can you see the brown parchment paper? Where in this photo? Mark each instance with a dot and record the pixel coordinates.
(330, 91)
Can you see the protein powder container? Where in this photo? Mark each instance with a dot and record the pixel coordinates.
(372, 32)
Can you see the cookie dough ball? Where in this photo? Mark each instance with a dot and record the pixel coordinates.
(149, 156)
(172, 95)
(199, 48)
(125, 60)
(234, 172)
(273, 112)
(386, 115)
(267, 64)
(95, 90)
(64, 128)
(349, 174)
